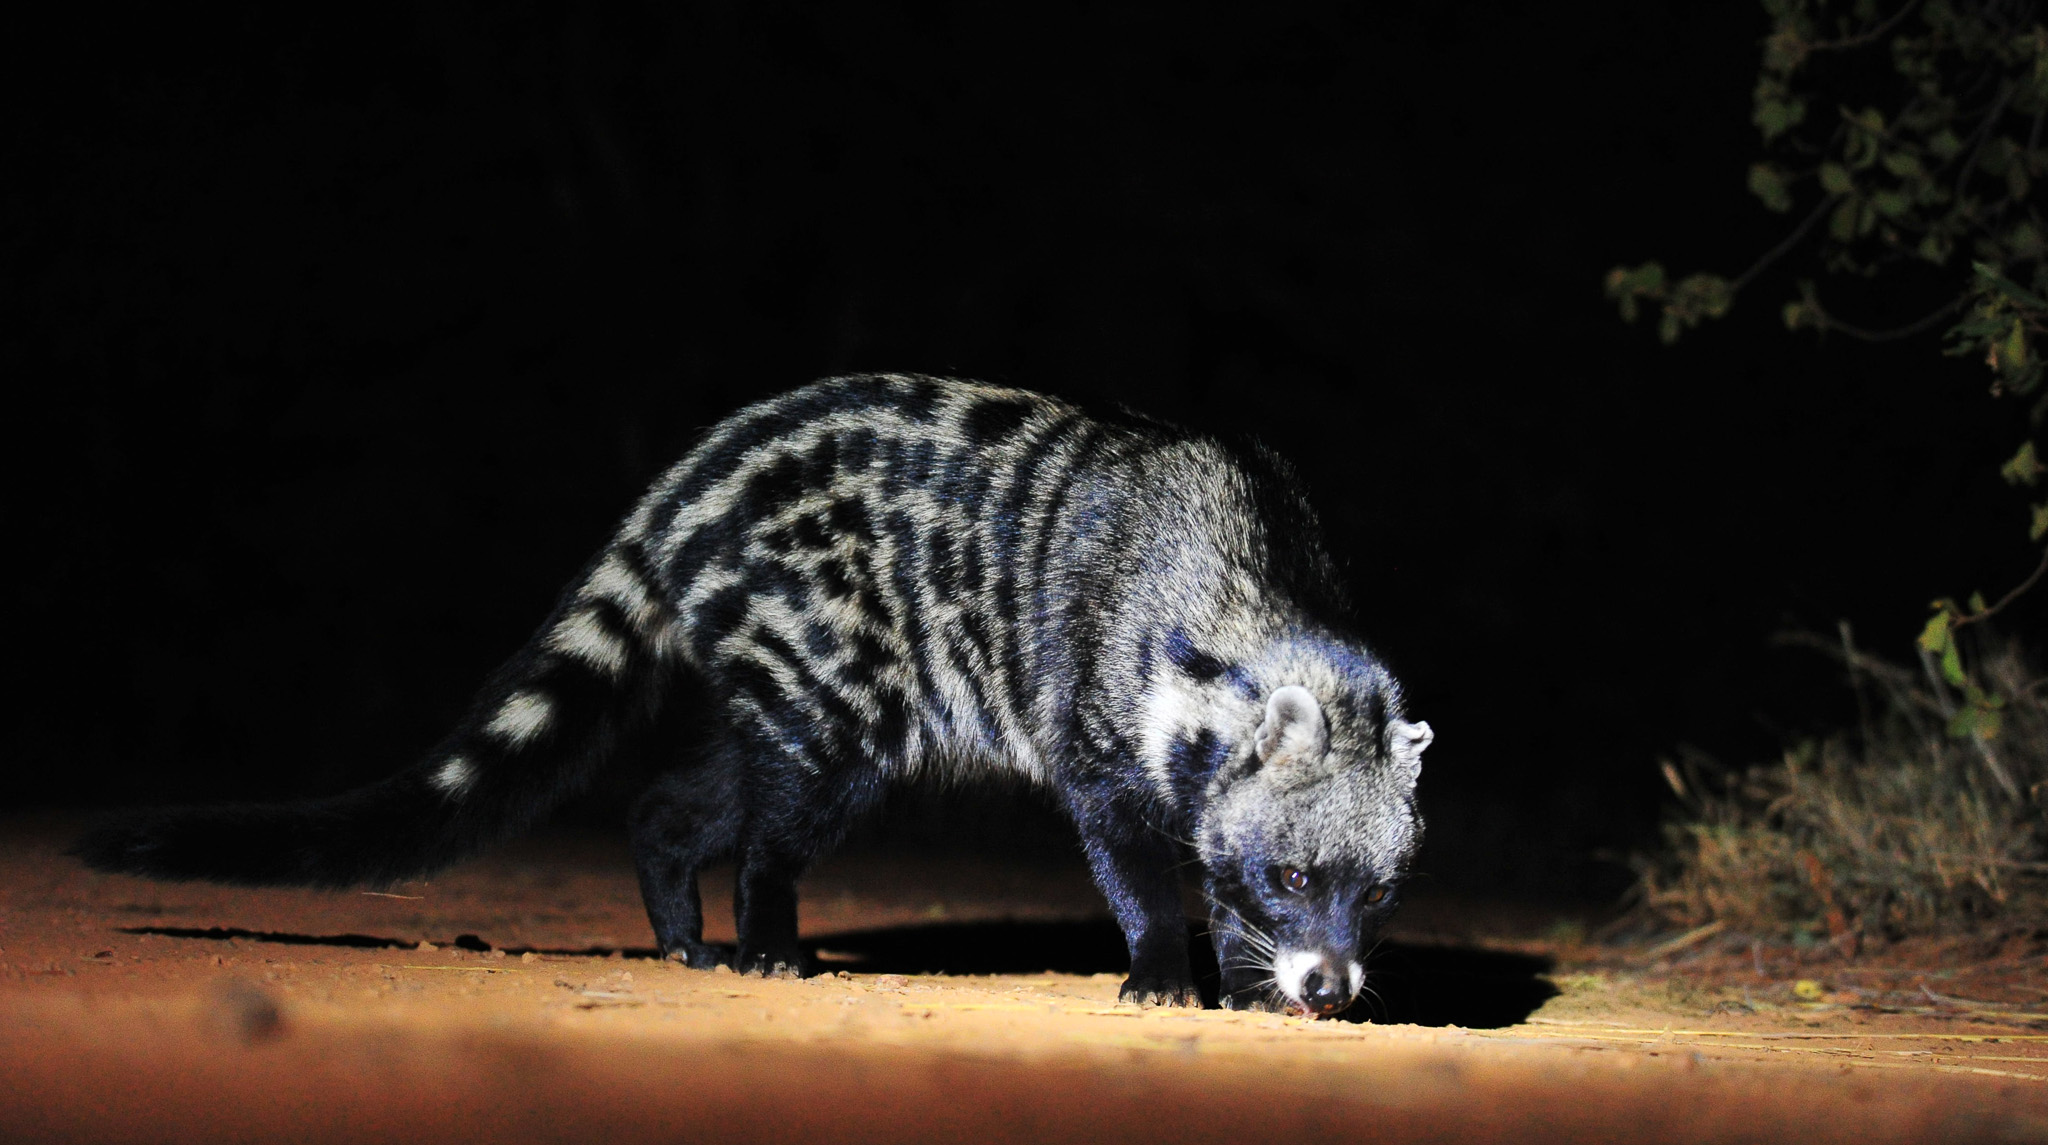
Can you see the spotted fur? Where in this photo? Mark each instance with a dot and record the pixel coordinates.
(885, 578)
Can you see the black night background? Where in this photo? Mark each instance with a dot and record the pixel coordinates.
(340, 337)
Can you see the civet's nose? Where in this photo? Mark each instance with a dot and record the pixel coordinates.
(1323, 993)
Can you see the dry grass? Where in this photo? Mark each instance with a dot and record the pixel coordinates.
(1896, 827)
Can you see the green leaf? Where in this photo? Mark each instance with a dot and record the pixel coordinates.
(1944, 144)
(2040, 527)
(1952, 663)
(2024, 468)
(1624, 281)
(1835, 179)
(1626, 285)
(1774, 117)
(1891, 204)
(1935, 248)
(1701, 295)
(2012, 353)
(1990, 278)
(1901, 163)
(1974, 723)
(1934, 637)
(1784, 50)
(1989, 722)
(1767, 183)
(1976, 602)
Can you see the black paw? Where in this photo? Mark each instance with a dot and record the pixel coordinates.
(699, 955)
(771, 963)
(1159, 990)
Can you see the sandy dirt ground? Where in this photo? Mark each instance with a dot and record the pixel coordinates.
(515, 999)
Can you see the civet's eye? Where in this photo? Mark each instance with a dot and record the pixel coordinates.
(1294, 880)
(1376, 892)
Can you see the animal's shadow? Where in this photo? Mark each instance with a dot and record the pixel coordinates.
(1419, 985)
(1414, 984)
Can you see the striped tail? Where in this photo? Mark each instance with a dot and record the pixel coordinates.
(539, 730)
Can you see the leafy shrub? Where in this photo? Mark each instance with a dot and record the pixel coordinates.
(1902, 826)
(1906, 140)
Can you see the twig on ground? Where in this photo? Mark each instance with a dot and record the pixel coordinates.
(1691, 937)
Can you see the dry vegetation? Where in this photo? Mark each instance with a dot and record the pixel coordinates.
(1916, 822)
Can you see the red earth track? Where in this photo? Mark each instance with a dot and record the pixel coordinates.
(138, 1012)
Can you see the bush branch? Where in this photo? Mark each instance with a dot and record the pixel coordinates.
(1777, 252)
(1917, 326)
(2009, 597)
(1863, 38)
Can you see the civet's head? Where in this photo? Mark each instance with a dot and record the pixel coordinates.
(1307, 834)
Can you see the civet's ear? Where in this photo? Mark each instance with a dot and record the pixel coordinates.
(1294, 729)
(1405, 742)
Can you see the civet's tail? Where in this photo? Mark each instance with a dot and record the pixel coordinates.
(540, 728)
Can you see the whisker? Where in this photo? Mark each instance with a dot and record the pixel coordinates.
(1275, 994)
(1248, 932)
(1379, 1005)
(1239, 926)
(1264, 953)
